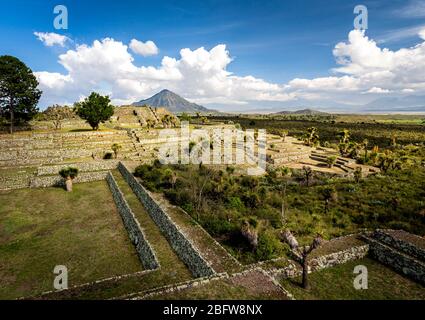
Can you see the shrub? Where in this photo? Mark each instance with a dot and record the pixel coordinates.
(331, 161)
(218, 226)
(235, 203)
(269, 246)
(251, 200)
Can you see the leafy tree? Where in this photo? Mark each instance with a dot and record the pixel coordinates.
(68, 174)
(19, 95)
(95, 109)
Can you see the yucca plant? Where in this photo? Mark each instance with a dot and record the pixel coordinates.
(68, 174)
(116, 148)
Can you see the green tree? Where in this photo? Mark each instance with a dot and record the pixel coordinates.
(95, 109)
(19, 95)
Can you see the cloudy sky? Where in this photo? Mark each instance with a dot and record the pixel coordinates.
(229, 55)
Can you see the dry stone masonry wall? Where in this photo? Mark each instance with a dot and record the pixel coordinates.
(180, 243)
(388, 237)
(400, 255)
(82, 167)
(144, 250)
(58, 181)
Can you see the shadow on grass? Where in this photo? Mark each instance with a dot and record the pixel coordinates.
(83, 130)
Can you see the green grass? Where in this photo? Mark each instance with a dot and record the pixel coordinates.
(250, 286)
(378, 130)
(167, 257)
(172, 270)
(42, 228)
(337, 284)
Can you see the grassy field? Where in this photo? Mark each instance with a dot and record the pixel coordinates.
(42, 228)
(337, 284)
(378, 132)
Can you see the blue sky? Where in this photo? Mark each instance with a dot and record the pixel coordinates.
(276, 41)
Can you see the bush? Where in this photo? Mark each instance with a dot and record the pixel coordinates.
(251, 200)
(218, 226)
(235, 203)
(188, 207)
(269, 246)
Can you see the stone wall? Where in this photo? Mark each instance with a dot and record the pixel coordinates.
(403, 246)
(58, 181)
(180, 243)
(323, 262)
(399, 261)
(144, 250)
(333, 259)
(82, 167)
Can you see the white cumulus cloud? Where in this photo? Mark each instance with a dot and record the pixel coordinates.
(145, 49)
(107, 66)
(50, 38)
(363, 70)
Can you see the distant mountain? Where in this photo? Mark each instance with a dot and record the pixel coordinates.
(309, 112)
(396, 104)
(173, 102)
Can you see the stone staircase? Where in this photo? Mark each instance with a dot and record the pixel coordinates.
(347, 165)
(281, 152)
(35, 149)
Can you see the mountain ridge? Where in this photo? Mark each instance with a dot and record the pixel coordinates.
(171, 101)
(306, 111)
